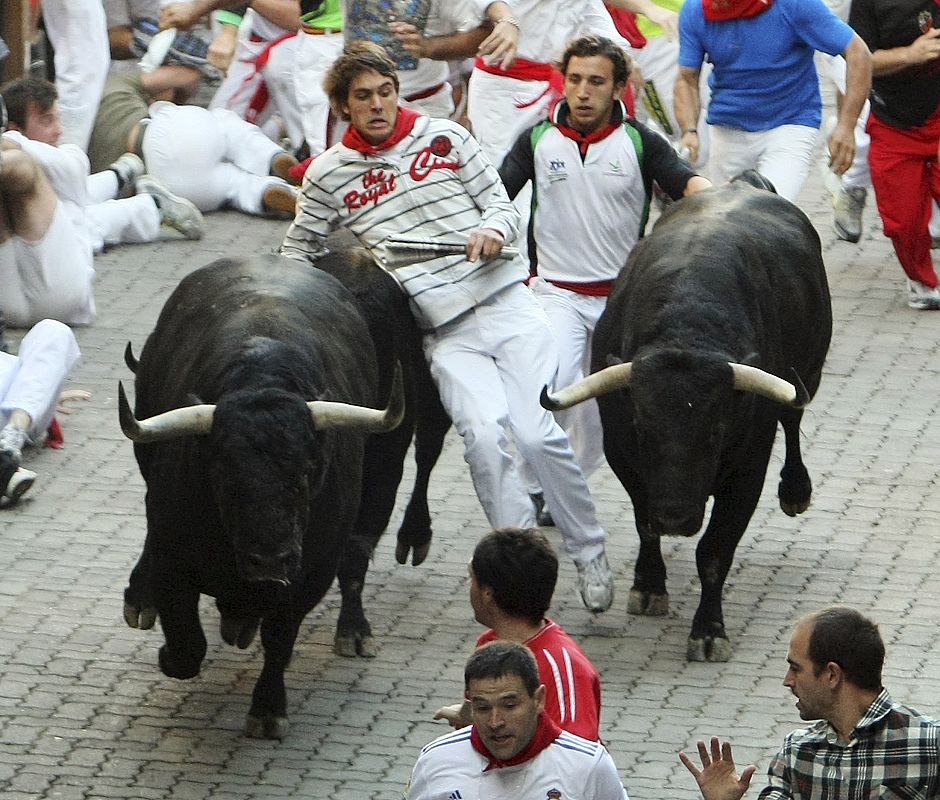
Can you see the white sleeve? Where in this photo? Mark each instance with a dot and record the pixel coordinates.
(597, 20)
(66, 166)
(604, 781)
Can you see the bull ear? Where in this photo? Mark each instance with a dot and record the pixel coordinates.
(752, 379)
(607, 380)
(174, 424)
(328, 415)
(130, 359)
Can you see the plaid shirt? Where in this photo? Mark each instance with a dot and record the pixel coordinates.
(893, 752)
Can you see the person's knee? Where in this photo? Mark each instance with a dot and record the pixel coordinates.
(19, 174)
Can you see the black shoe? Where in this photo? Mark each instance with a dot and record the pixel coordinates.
(9, 463)
(543, 517)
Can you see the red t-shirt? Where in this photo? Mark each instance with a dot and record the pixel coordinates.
(572, 684)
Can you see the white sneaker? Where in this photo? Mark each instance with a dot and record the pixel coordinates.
(595, 583)
(128, 167)
(18, 485)
(848, 204)
(175, 211)
(921, 297)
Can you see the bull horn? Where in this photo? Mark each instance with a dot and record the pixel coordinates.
(607, 380)
(327, 415)
(130, 359)
(186, 421)
(752, 379)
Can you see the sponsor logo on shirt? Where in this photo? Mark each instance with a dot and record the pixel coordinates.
(455, 795)
(376, 183)
(557, 170)
(433, 157)
(553, 794)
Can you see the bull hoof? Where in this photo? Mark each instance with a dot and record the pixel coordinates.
(710, 648)
(419, 552)
(267, 727)
(647, 603)
(180, 668)
(239, 631)
(792, 509)
(351, 645)
(136, 617)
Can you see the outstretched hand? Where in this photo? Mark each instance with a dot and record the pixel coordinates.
(717, 778)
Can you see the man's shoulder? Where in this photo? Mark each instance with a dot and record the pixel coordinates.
(576, 749)
(453, 743)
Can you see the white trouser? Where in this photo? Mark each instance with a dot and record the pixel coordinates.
(315, 54)
(783, 155)
(573, 318)
(130, 220)
(489, 366)
(439, 105)
(79, 34)
(213, 158)
(52, 277)
(501, 108)
(31, 381)
(658, 60)
(243, 79)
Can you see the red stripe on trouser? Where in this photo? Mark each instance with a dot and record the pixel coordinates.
(906, 178)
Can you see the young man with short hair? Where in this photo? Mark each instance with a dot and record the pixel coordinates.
(489, 347)
(882, 748)
(513, 749)
(512, 579)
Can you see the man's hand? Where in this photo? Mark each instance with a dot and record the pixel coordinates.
(485, 243)
(454, 715)
(411, 38)
(222, 48)
(180, 15)
(925, 48)
(67, 397)
(501, 45)
(666, 19)
(841, 148)
(717, 779)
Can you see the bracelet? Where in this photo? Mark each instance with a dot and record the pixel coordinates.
(690, 130)
(511, 20)
(224, 17)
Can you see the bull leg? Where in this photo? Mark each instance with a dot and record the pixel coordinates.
(185, 647)
(432, 425)
(734, 505)
(267, 717)
(795, 488)
(648, 595)
(139, 608)
(353, 632)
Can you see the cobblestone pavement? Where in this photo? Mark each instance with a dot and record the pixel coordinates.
(85, 713)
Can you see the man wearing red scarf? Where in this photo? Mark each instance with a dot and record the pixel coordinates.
(765, 107)
(488, 344)
(512, 750)
(592, 169)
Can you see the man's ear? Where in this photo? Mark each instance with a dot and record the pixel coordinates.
(834, 674)
(539, 697)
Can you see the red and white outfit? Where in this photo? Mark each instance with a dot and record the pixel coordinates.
(487, 341)
(31, 380)
(555, 764)
(52, 277)
(572, 684)
(503, 103)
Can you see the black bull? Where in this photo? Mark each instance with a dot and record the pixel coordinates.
(716, 330)
(263, 481)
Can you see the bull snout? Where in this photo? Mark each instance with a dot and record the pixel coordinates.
(676, 520)
(281, 567)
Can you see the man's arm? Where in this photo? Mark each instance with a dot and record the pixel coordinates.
(518, 167)
(717, 779)
(923, 49)
(666, 19)
(501, 45)
(688, 106)
(306, 237)
(120, 39)
(462, 44)
(284, 13)
(857, 86)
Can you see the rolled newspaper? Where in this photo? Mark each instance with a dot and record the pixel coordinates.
(400, 251)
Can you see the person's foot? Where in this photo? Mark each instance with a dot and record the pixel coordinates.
(280, 201)
(922, 297)
(543, 517)
(175, 211)
(11, 453)
(128, 168)
(595, 583)
(281, 166)
(848, 204)
(19, 484)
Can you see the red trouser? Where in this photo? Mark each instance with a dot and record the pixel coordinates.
(906, 177)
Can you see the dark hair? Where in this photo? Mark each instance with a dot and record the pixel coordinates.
(18, 94)
(520, 567)
(591, 45)
(843, 635)
(499, 658)
(358, 56)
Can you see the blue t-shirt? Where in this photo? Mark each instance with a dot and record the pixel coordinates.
(764, 74)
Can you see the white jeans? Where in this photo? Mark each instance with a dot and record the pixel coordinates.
(213, 158)
(783, 155)
(489, 366)
(315, 54)
(130, 220)
(79, 34)
(31, 381)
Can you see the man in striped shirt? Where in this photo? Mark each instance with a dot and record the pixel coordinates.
(863, 744)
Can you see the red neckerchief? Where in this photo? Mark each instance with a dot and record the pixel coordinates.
(404, 122)
(559, 112)
(718, 10)
(545, 733)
